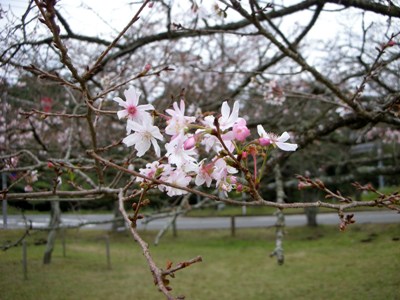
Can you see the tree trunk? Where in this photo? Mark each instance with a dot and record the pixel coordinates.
(311, 214)
(55, 220)
(280, 218)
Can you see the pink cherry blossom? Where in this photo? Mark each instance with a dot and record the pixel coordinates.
(204, 174)
(228, 184)
(221, 171)
(144, 135)
(240, 130)
(150, 171)
(133, 111)
(279, 142)
(210, 141)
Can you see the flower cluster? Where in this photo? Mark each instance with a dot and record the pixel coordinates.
(225, 135)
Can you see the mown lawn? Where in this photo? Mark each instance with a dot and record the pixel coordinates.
(322, 263)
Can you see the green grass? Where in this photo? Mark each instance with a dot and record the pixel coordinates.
(322, 263)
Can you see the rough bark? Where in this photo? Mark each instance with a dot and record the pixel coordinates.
(280, 218)
(118, 222)
(55, 220)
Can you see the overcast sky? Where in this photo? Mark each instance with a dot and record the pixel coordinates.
(83, 16)
(107, 18)
(94, 17)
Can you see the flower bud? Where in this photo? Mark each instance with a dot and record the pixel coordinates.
(240, 130)
(391, 43)
(264, 141)
(303, 185)
(147, 67)
(189, 143)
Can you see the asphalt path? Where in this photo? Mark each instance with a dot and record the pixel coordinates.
(70, 220)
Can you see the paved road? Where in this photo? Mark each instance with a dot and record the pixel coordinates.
(40, 221)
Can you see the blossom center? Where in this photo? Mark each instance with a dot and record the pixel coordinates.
(273, 137)
(131, 110)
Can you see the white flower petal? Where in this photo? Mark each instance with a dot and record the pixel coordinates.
(225, 110)
(144, 118)
(122, 114)
(284, 137)
(144, 107)
(133, 126)
(120, 101)
(235, 113)
(157, 149)
(261, 131)
(286, 146)
(131, 96)
(142, 146)
(182, 106)
(199, 180)
(131, 139)
(155, 131)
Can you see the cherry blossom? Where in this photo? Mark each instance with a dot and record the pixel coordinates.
(144, 135)
(133, 111)
(177, 177)
(177, 155)
(227, 118)
(210, 141)
(150, 171)
(240, 130)
(280, 142)
(221, 172)
(204, 174)
(178, 121)
(181, 150)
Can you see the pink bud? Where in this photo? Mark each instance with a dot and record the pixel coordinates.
(151, 4)
(244, 154)
(239, 188)
(303, 185)
(264, 141)
(189, 143)
(147, 67)
(50, 164)
(233, 179)
(391, 43)
(240, 130)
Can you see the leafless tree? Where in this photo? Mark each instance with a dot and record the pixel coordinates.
(332, 94)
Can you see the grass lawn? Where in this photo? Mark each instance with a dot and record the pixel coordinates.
(322, 263)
